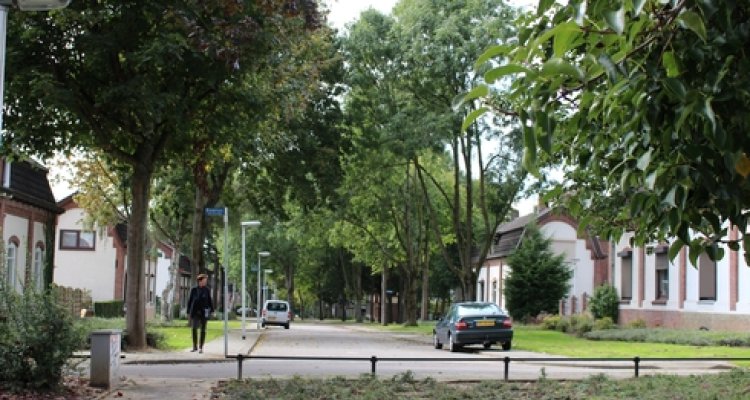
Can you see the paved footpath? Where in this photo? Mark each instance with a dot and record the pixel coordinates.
(179, 388)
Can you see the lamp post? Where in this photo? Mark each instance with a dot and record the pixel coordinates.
(244, 225)
(257, 316)
(265, 284)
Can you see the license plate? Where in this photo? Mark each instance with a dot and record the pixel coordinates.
(271, 318)
(486, 322)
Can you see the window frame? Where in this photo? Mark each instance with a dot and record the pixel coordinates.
(78, 246)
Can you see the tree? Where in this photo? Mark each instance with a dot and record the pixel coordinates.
(643, 105)
(538, 278)
(129, 78)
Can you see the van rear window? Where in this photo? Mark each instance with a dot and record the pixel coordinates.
(276, 306)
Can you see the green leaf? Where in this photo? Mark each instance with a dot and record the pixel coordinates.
(674, 218)
(615, 19)
(496, 73)
(644, 160)
(675, 87)
(674, 248)
(543, 6)
(529, 162)
(638, 7)
(473, 117)
(695, 249)
(708, 111)
(651, 180)
(564, 37)
(669, 199)
(609, 66)
(491, 53)
(669, 62)
(477, 92)
(556, 67)
(693, 21)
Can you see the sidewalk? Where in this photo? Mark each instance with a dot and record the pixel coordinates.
(180, 388)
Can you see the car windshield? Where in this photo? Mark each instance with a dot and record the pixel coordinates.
(276, 307)
(479, 309)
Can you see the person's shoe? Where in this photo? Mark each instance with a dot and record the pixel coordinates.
(193, 350)
(200, 351)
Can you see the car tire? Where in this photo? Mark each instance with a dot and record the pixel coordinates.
(436, 341)
(262, 324)
(506, 345)
(452, 345)
(486, 345)
(286, 326)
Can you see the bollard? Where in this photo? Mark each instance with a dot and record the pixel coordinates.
(105, 357)
(506, 360)
(637, 361)
(239, 366)
(373, 360)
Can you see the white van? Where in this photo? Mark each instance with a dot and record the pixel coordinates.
(276, 312)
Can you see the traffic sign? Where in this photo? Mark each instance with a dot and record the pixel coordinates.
(214, 211)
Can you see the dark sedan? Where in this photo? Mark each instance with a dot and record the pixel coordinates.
(473, 323)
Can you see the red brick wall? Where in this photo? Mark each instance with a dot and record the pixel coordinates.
(687, 320)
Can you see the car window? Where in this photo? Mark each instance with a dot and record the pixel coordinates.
(480, 309)
(276, 307)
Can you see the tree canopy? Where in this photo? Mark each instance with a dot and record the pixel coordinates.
(642, 104)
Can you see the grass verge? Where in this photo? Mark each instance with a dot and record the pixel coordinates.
(730, 385)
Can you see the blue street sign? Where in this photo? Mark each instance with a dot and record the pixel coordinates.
(213, 212)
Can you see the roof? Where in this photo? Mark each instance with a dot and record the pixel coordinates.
(29, 184)
(508, 235)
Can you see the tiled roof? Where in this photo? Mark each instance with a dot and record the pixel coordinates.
(29, 184)
(509, 235)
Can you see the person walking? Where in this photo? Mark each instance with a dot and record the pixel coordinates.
(199, 309)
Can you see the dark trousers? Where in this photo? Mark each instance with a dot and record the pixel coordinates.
(199, 322)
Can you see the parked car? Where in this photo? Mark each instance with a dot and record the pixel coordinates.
(249, 312)
(473, 323)
(276, 312)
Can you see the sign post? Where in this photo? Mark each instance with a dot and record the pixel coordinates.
(218, 212)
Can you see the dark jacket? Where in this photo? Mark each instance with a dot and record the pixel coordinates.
(199, 301)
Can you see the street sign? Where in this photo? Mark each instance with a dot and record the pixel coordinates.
(214, 211)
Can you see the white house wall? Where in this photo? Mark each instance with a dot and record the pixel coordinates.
(18, 227)
(565, 241)
(683, 308)
(85, 269)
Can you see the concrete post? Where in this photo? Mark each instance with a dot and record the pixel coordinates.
(105, 357)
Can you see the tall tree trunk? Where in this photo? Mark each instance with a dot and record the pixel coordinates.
(384, 304)
(136, 301)
(289, 284)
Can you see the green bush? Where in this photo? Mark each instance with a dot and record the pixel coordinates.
(637, 324)
(605, 302)
(604, 324)
(37, 338)
(581, 324)
(109, 309)
(551, 322)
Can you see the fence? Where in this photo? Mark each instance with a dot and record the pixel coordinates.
(373, 360)
(73, 299)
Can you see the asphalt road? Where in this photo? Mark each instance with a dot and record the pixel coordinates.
(333, 341)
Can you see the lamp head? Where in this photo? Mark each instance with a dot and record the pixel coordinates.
(250, 223)
(36, 5)
(264, 253)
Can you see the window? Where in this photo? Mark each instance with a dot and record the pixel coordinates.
(77, 240)
(494, 291)
(626, 278)
(707, 278)
(662, 276)
(39, 266)
(10, 262)
(480, 295)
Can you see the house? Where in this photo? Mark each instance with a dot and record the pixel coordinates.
(679, 294)
(28, 211)
(587, 256)
(95, 258)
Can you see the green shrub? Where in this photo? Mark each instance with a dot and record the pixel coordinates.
(564, 325)
(605, 302)
(37, 338)
(109, 309)
(603, 324)
(581, 324)
(551, 322)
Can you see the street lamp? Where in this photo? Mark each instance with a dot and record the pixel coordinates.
(257, 315)
(23, 5)
(244, 225)
(265, 283)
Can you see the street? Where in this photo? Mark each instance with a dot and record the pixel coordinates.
(310, 339)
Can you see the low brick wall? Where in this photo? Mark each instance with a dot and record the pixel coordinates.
(687, 320)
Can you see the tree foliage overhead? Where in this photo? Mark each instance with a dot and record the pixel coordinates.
(644, 104)
(538, 278)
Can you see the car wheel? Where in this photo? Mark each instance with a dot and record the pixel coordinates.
(486, 345)
(506, 345)
(436, 341)
(452, 345)
(262, 324)
(286, 326)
